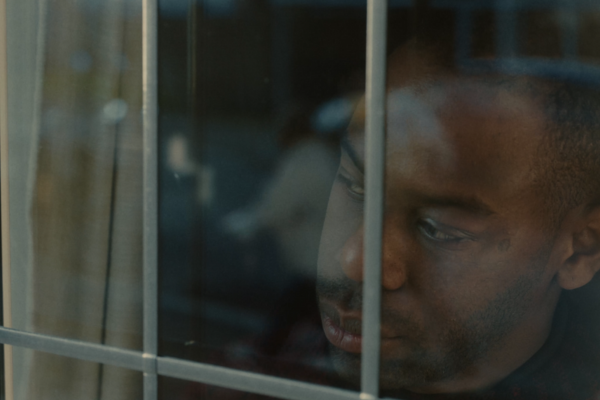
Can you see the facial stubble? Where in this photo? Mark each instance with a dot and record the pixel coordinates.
(461, 345)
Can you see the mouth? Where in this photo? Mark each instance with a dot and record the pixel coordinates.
(341, 338)
(344, 329)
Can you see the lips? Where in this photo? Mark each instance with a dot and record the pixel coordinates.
(349, 342)
(343, 329)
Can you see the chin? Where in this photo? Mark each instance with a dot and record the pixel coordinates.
(411, 374)
(347, 365)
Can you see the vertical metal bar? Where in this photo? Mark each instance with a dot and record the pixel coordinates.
(150, 71)
(506, 29)
(569, 32)
(464, 27)
(4, 203)
(150, 386)
(374, 201)
(192, 57)
(281, 59)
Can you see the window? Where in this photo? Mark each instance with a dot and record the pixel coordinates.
(226, 198)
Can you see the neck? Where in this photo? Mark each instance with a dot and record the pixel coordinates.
(518, 348)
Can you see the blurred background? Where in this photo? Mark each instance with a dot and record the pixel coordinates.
(254, 98)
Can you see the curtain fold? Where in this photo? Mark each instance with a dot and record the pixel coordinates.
(76, 193)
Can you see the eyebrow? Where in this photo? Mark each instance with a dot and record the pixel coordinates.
(351, 152)
(469, 204)
(466, 203)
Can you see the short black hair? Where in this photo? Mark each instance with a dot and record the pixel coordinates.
(569, 155)
(568, 161)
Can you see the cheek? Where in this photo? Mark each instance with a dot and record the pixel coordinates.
(456, 285)
(343, 220)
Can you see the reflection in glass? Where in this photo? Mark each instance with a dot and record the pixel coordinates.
(75, 164)
(472, 296)
(248, 162)
(491, 187)
(179, 389)
(75, 379)
(76, 171)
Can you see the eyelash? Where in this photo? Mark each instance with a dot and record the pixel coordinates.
(355, 190)
(427, 228)
(430, 231)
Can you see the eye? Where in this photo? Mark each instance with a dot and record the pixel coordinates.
(430, 230)
(354, 188)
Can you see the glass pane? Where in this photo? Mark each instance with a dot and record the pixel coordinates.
(489, 286)
(49, 377)
(75, 139)
(254, 97)
(171, 388)
(490, 241)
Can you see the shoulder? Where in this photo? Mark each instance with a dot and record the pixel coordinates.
(568, 365)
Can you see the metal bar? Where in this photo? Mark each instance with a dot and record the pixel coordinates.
(150, 179)
(464, 28)
(251, 382)
(150, 386)
(150, 98)
(4, 163)
(4, 201)
(374, 201)
(281, 61)
(73, 348)
(197, 372)
(506, 28)
(569, 33)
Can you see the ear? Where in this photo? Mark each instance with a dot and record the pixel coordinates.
(584, 261)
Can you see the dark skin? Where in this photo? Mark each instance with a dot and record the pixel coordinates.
(471, 272)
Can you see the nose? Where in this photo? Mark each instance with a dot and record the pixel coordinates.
(393, 261)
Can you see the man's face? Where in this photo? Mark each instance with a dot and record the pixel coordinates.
(468, 276)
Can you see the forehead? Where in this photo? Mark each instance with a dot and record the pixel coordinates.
(462, 136)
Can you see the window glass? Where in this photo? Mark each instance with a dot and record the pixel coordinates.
(490, 245)
(75, 164)
(254, 97)
(180, 389)
(56, 377)
(487, 280)
(491, 189)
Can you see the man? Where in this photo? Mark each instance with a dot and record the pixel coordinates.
(490, 249)
(492, 221)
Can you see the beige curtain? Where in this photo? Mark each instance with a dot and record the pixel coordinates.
(80, 257)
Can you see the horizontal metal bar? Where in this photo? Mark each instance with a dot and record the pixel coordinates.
(73, 348)
(521, 4)
(197, 372)
(251, 382)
